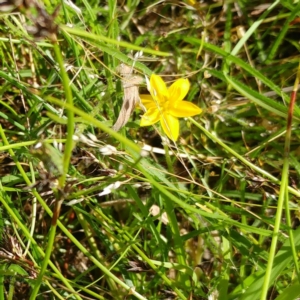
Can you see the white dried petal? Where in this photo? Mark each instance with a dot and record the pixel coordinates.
(138, 54)
(108, 150)
(147, 186)
(155, 211)
(73, 6)
(110, 188)
(144, 185)
(144, 153)
(136, 185)
(106, 191)
(148, 84)
(83, 138)
(92, 137)
(38, 145)
(55, 144)
(74, 201)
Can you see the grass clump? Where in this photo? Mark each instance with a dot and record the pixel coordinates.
(88, 212)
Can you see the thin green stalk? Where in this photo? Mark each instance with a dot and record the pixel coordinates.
(45, 263)
(70, 115)
(28, 143)
(178, 243)
(225, 275)
(283, 30)
(95, 295)
(66, 162)
(291, 235)
(98, 37)
(34, 210)
(281, 198)
(11, 288)
(283, 194)
(242, 191)
(255, 25)
(2, 292)
(227, 35)
(54, 291)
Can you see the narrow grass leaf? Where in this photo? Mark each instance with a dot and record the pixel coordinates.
(290, 293)
(265, 102)
(251, 287)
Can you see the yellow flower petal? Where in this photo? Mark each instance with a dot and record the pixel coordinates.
(167, 105)
(170, 126)
(146, 98)
(159, 91)
(148, 101)
(184, 109)
(150, 117)
(179, 89)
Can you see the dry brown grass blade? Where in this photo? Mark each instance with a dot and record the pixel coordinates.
(131, 98)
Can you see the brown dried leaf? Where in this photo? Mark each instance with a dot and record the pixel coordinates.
(131, 98)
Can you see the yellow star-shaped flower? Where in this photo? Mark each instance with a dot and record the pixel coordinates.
(166, 105)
